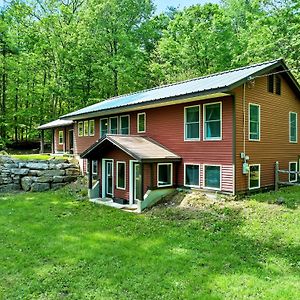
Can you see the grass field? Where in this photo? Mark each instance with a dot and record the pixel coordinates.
(56, 247)
(35, 156)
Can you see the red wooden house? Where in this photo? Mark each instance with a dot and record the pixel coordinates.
(221, 132)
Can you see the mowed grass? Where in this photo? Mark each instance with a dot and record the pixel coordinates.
(36, 156)
(55, 247)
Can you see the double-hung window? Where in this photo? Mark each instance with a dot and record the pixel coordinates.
(293, 168)
(113, 125)
(164, 174)
(212, 177)
(91, 127)
(192, 175)
(213, 121)
(254, 177)
(293, 125)
(80, 128)
(86, 128)
(94, 167)
(192, 123)
(254, 122)
(141, 122)
(124, 125)
(60, 137)
(103, 127)
(121, 175)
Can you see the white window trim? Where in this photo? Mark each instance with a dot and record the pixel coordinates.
(221, 120)
(212, 188)
(60, 143)
(138, 122)
(101, 126)
(293, 162)
(78, 131)
(259, 121)
(109, 125)
(259, 168)
(157, 174)
(90, 121)
(184, 175)
(103, 176)
(290, 113)
(94, 161)
(125, 116)
(84, 125)
(184, 124)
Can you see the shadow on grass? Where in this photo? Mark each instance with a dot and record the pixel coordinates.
(58, 248)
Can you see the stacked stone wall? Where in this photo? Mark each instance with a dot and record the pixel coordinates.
(36, 175)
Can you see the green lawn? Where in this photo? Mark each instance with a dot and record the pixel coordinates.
(36, 156)
(55, 247)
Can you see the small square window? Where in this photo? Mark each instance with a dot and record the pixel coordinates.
(278, 84)
(192, 175)
(254, 177)
(212, 175)
(164, 175)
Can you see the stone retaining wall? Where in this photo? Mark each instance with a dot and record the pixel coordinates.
(36, 175)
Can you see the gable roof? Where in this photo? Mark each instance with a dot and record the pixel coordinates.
(221, 82)
(56, 123)
(138, 147)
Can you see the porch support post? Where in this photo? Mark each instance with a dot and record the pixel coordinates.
(142, 180)
(90, 177)
(42, 142)
(152, 176)
(65, 139)
(53, 141)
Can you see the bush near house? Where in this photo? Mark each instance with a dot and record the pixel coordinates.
(55, 246)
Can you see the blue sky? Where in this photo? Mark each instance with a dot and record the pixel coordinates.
(163, 4)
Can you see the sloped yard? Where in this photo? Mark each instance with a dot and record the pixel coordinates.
(55, 247)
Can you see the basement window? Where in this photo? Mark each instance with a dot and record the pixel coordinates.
(164, 174)
(254, 177)
(192, 175)
(212, 177)
(293, 168)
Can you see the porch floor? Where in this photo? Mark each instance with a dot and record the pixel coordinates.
(111, 203)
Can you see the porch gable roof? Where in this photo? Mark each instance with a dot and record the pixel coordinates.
(141, 148)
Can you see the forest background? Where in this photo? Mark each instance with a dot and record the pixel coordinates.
(57, 56)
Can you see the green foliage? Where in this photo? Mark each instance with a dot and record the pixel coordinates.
(58, 56)
(54, 247)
